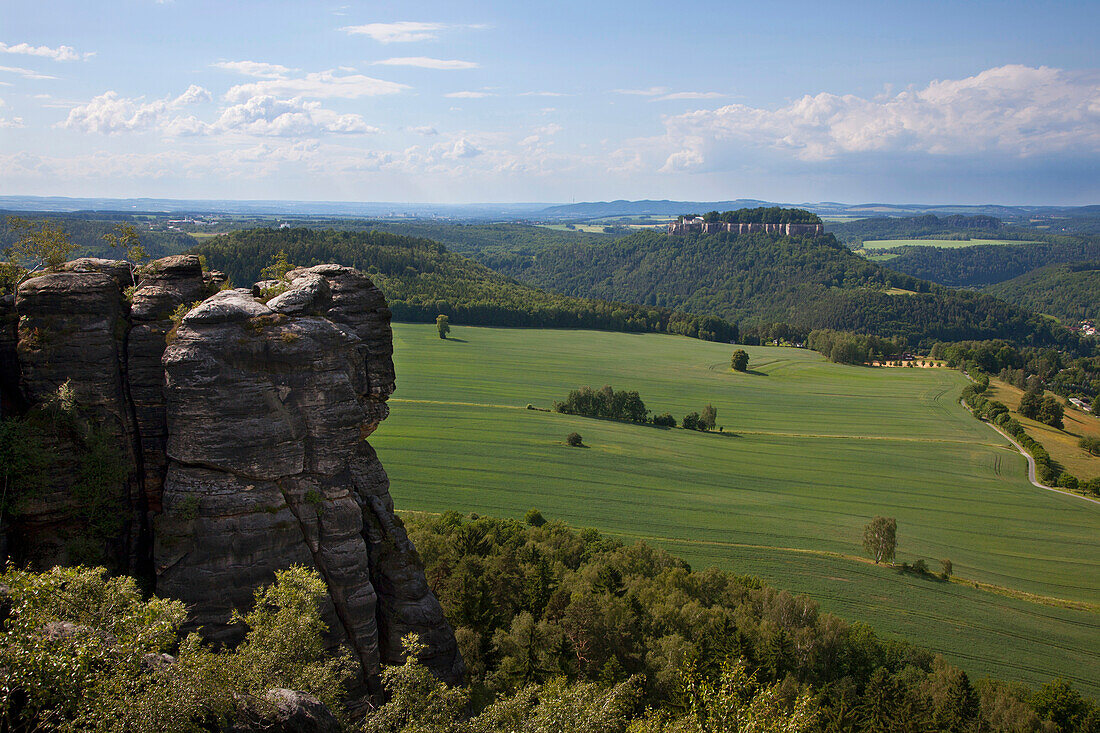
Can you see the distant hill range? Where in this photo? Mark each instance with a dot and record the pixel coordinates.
(533, 211)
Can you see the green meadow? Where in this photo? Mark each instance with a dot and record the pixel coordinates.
(945, 243)
(809, 453)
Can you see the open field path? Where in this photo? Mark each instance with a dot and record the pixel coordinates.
(730, 434)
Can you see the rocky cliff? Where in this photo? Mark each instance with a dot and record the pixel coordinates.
(232, 443)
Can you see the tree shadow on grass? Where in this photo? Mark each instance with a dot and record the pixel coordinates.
(457, 341)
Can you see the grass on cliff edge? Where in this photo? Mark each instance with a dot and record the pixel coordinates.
(811, 452)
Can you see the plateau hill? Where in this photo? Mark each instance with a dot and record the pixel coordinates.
(808, 282)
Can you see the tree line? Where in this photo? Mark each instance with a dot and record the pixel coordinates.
(760, 215)
(611, 404)
(422, 280)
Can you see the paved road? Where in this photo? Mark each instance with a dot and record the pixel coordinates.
(1031, 474)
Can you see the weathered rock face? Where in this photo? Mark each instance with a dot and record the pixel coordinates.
(72, 332)
(246, 437)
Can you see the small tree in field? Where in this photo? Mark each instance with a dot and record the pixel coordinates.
(946, 566)
(880, 539)
(709, 418)
(443, 325)
(740, 360)
(574, 439)
(534, 518)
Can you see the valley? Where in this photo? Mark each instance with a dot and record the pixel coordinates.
(809, 452)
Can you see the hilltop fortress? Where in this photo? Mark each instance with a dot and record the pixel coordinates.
(749, 221)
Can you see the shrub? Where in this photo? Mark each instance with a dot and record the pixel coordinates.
(574, 439)
(664, 420)
(692, 421)
(947, 568)
(1090, 443)
(534, 517)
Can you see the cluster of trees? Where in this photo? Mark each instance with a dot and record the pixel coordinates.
(83, 651)
(612, 404)
(534, 604)
(762, 334)
(559, 629)
(1028, 367)
(986, 264)
(761, 215)
(1070, 292)
(854, 348)
(422, 280)
(1047, 410)
(806, 282)
(88, 233)
(1047, 470)
(954, 226)
(606, 402)
(701, 421)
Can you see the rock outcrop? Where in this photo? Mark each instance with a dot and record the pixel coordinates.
(243, 434)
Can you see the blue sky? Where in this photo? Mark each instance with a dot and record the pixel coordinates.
(930, 102)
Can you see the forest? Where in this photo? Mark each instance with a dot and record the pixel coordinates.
(987, 264)
(807, 282)
(422, 280)
(854, 233)
(1070, 292)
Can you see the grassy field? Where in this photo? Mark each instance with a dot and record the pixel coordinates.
(810, 452)
(945, 243)
(1061, 444)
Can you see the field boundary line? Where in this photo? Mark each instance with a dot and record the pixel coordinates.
(1000, 590)
(775, 433)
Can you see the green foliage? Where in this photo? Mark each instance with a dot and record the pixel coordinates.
(854, 348)
(1090, 443)
(422, 280)
(692, 421)
(575, 440)
(739, 362)
(277, 268)
(37, 245)
(126, 238)
(1067, 291)
(880, 539)
(605, 403)
(762, 215)
(892, 433)
(698, 649)
(709, 417)
(809, 282)
(534, 517)
(442, 325)
(84, 650)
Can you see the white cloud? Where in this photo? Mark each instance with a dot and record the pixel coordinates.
(651, 92)
(423, 62)
(400, 32)
(9, 123)
(259, 69)
(319, 85)
(688, 95)
(425, 130)
(1011, 110)
(61, 53)
(269, 116)
(467, 95)
(109, 113)
(543, 94)
(25, 73)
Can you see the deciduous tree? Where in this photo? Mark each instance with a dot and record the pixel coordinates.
(880, 539)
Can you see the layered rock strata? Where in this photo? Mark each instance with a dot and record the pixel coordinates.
(244, 433)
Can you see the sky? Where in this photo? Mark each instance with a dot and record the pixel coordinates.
(461, 102)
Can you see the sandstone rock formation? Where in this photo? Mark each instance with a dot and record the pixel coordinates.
(243, 434)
